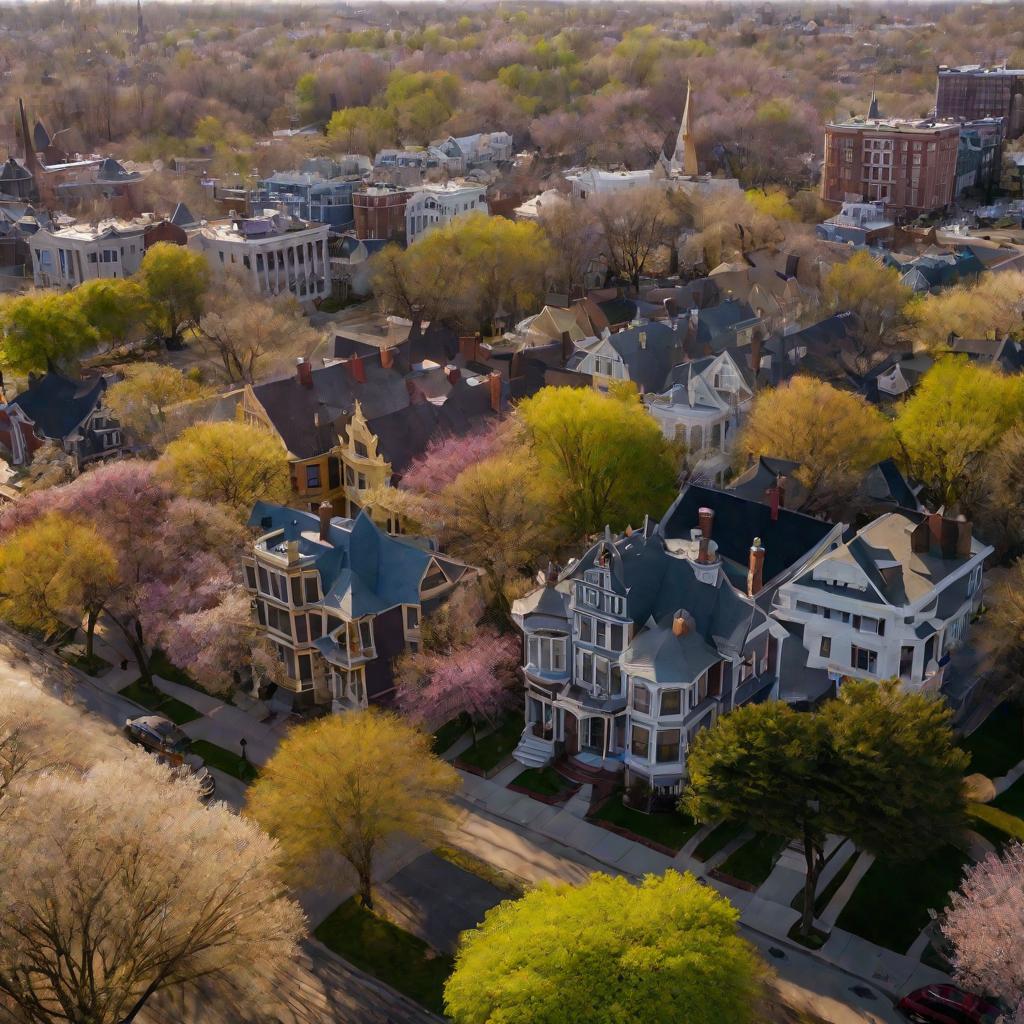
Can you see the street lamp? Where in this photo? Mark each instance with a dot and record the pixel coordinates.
(243, 743)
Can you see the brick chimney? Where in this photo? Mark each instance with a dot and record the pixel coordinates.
(357, 369)
(963, 538)
(469, 347)
(494, 383)
(755, 355)
(304, 372)
(680, 623)
(777, 497)
(755, 571)
(567, 347)
(706, 521)
(326, 513)
(454, 375)
(387, 358)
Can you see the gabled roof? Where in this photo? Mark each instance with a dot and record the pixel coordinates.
(649, 352)
(111, 170)
(182, 216)
(57, 405)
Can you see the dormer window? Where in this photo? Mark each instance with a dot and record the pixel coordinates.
(599, 577)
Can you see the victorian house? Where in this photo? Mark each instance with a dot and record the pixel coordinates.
(638, 645)
(339, 599)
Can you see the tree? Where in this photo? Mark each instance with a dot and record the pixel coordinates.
(956, 415)
(174, 281)
(41, 330)
(876, 294)
(446, 457)
(607, 952)
(1004, 629)
(250, 336)
(102, 905)
(835, 436)
(870, 763)
(602, 460)
(227, 463)
(362, 129)
(114, 307)
(54, 569)
(50, 466)
(346, 787)
(985, 924)
(574, 238)
(992, 307)
(635, 225)
(1000, 517)
(141, 401)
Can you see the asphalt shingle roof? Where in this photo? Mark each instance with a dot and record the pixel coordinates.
(57, 405)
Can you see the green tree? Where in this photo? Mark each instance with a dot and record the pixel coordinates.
(877, 765)
(141, 401)
(54, 570)
(42, 330)
(602, 460)
(607, 952)
(955, 417)
(362, 129)
(227, 463)
(349, 786)
(114, 307)
(174, 281)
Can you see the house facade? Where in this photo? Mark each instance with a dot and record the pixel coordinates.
(634, 648)
(338, 599)
(65, 257)
(894, 601)
(432, 205)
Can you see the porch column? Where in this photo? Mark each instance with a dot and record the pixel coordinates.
(604, 735)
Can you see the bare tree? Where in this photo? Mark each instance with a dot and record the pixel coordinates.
(635, 226)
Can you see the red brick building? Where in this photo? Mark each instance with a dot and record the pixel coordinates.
(974, 92)
(908, 165)
(379, 212)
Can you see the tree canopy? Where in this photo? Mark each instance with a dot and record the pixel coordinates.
(174, 281)
(142, 400)
(988, 308)
(42, 330)
(607, 952)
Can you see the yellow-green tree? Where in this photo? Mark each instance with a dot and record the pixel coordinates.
(141, 401)
(602, 460)
(227, 463)
(174, 281)
(608, 952)
(991, 308)
(834, 435)
(349, 786)
(115, 307)
(54, 570)
(362, 129)
(956, 415)
(42, 330)
(875, 293)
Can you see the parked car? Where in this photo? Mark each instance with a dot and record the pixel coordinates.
(947, 1004)
(160, 736)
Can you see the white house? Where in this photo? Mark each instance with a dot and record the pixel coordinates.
(431, 205)
(66, 257)
(703, 407)
(893, 601)
(469, 151)
(591, 181)
(277, 253)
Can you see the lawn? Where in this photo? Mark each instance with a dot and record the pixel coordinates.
(672, 829)
(397, 958)
(159, 703)
(225, 760)
(448, 734)
(489, 751)
(998, 743)
(724, 832)
(890, 906)
(75, 655)
(543, 781)
(1012, 799)
(160, 665)
(754, 860)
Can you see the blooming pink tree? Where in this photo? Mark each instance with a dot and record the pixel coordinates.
(985, 923)
(476, 680)
(446, 457)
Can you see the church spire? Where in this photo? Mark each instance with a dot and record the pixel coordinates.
(684, 159)
(873, 114)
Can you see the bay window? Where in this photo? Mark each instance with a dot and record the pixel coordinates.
(667, 750)
(640, 741)
(547, 651)
(641, 699)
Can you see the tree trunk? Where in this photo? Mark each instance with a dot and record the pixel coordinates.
(815, 862)
(90, 631)
(132, 632)
(366, 890)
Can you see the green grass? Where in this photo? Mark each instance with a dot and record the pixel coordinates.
(489, 751)
(998, 743)
(672, 829)
(159, 703)
(890, 906)
(380, 948)
(754, 860)
(824, 896)
(543, 781)
(475, 866)
(224, 760)
(76, 657)
(724, 832)
(448, 734)
(160, 665)
(1012, 800)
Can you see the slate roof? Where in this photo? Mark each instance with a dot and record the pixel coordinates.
(182, 216)
(658, 654)
(649, 363)
(738, 520)
(57, 405)
(111, 170)
(716, 325)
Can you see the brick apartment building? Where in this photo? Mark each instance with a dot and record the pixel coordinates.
(974, 92)
(908, 165)
(380, 211)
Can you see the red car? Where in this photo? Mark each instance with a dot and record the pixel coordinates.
(947, 1004)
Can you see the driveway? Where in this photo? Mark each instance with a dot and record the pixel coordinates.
(436, 900)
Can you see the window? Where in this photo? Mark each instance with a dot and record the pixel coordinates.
(313, 475)
(305, 668)
(312, 589)
(591, 598)
(412, 617)
(803, 606)
(601, 633)
(250, 577)
(547, 651)
(296, 582)
(668, 746)
(866, 624)
(615, 644)
(360, 449)
(585, 628)
(616, 684)
(350, 476)
(671, 702)
(864, 659)
(641, 699)
(316, 626)
(279, 619)
(366, 634)
(601, 674)
(301, 629)
(361, 481)
(825, 648)
(640, 742)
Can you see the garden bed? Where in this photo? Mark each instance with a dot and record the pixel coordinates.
(225, 761)
(545, 785)
(160, 703)
(666, 833)
(375, 945)
(492, 752)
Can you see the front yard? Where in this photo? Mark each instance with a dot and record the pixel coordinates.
(491, 750)
(754, 860)
(669, 829)
(225, 761)
(160, 703)
(545, 782)
(723, 833)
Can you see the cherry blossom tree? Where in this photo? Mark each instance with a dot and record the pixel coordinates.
(446, 457)
(985, 923)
